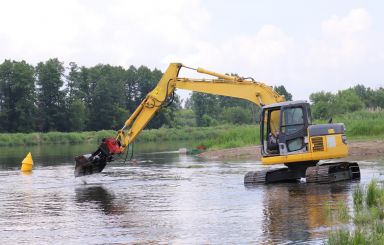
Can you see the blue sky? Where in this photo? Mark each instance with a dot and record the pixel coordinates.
(307, 46)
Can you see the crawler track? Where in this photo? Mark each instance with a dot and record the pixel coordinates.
(333, 172)
(325, 173)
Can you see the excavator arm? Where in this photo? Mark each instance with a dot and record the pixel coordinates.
(226, 85)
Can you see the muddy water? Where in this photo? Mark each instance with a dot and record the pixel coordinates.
(161, 197)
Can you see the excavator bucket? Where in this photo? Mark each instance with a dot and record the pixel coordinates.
(95, 163)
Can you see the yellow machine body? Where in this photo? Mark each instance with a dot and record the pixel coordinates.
(319, 148)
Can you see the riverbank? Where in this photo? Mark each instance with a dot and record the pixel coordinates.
(358, 151)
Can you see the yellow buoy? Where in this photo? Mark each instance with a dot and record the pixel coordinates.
(27, 163)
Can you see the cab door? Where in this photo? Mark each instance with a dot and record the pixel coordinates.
(269, 125)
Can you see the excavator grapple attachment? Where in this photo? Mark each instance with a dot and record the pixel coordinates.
(86, 165)
(95, 163)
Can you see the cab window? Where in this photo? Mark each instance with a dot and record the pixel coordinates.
(292, 120)
(271, 122)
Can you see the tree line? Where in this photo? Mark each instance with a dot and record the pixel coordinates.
(325, 105)
(53, 97)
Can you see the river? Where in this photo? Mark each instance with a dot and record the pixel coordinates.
(160, 197)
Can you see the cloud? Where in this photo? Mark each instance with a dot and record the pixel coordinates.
(336, 58)
(343, 41)
(89, 32)
(357, 21)
(41, 29)
(259, 53)
(340, 49)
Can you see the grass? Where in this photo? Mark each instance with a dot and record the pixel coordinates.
(235, 136)
(361, 125)
(151, 135)
(367, 218)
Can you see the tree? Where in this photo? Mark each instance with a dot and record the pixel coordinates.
(16, 97)
(250, 109)
(347, 101)
(205, 107)
(326, 105)
(131, 89)
(378, 98)
(185, 118)
(107, 106)
(282, 91)
(321, 104)
(77, 115)
(52, 114)
(76, 98)
(236, 115)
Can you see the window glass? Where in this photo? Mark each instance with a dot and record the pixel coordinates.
(293, 120)
(295, 144)
(309, 115)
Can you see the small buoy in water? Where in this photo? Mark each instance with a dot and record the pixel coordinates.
(27, 163)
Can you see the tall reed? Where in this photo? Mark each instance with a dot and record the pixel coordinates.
(367, 218)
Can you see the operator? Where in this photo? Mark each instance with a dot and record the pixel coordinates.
(273, 141)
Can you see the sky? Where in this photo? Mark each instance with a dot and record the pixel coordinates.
(307, 46)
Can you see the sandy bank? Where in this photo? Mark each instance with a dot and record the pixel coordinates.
(358, 150)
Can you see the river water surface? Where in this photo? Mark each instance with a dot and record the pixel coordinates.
(161, 197)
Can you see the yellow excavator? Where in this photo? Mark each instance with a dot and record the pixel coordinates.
(287, 135)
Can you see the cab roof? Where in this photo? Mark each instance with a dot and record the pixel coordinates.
(285, 103)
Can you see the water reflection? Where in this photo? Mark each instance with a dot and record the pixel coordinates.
(294, 212)
(100, 196)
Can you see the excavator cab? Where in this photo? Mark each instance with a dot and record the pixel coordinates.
(283, 128)
(288, 137)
